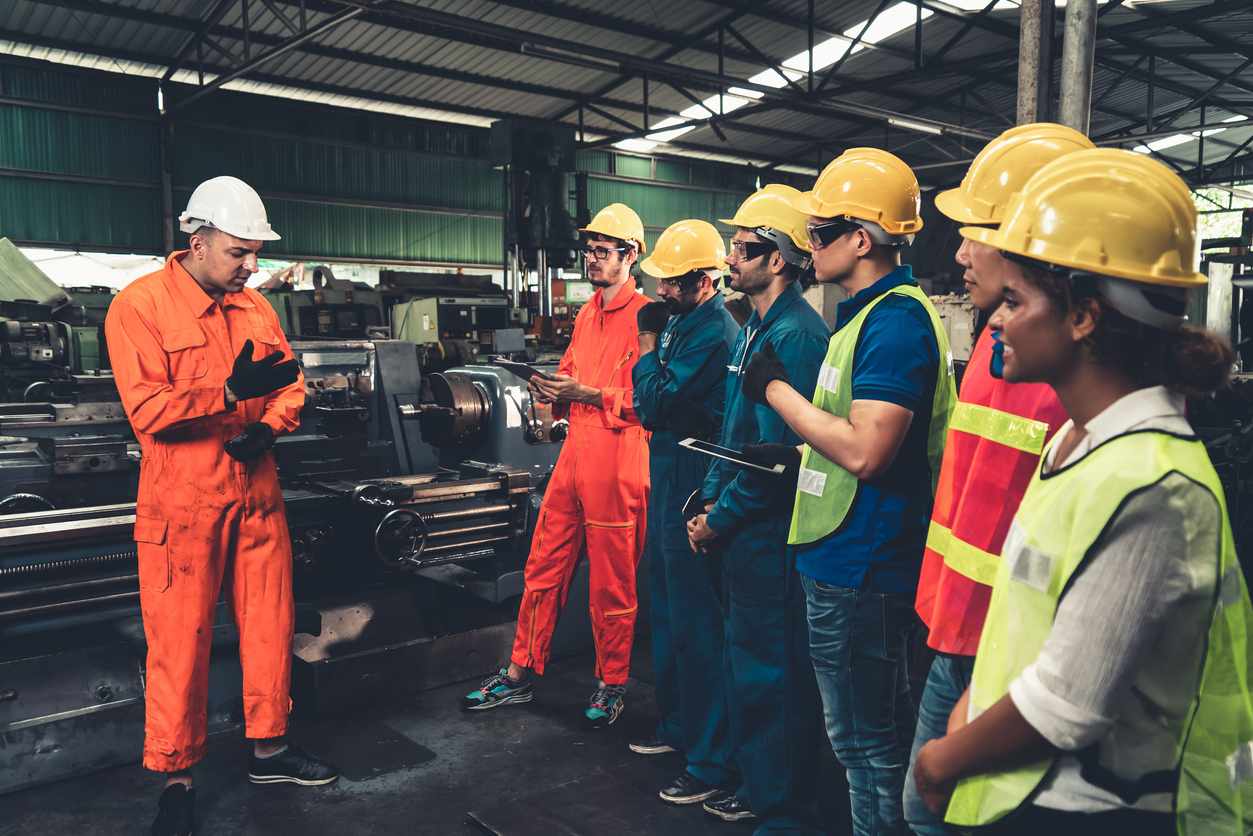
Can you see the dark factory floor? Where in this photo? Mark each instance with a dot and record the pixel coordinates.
(420, 766)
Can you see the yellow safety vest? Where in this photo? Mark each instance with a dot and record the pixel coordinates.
(824, 490)
(1061, 517)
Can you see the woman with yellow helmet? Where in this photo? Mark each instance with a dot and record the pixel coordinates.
(1110, 689)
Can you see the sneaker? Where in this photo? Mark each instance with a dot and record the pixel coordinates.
(729, 807)
(605, 706)
(687, 789)
(175, 811)
(651, 746)
(291, 766)
(497, 690)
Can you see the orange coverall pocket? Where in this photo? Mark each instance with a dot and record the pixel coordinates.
(186, 352)
(153, 552)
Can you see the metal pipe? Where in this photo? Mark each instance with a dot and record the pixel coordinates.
(450, 546)
(1030, 16)
(462, 513)
(14, 594)
(58, 565)
(67, 605)
(470, 529)
(1078, 55)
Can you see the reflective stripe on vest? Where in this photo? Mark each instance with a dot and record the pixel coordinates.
(1061, 517)
(960, 556)
(1015, 431)
(825, 491)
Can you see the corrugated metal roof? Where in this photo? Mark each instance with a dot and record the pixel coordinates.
(405, 55)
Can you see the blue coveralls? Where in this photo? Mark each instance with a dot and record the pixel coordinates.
(679, 392)
(771, 692)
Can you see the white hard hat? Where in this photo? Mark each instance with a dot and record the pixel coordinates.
(228, 204)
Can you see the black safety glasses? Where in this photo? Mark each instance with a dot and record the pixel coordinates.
(601, 253)
(825, 234)
(748, 250)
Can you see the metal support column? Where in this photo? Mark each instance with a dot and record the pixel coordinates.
(1078, 54)
(165, 132)
(1035, 61)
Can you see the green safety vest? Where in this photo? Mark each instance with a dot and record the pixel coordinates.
(824, 490)
(1061, 517)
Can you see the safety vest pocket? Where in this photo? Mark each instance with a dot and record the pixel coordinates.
(153, 553)
(185, 351)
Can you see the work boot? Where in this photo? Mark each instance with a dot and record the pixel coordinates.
(175, 811)
(728, 806)
(497, 690)
(651, 746)
(687, 789)
(605, 706)
(291, 766)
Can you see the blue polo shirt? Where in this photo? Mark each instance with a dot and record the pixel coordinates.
(879, 546)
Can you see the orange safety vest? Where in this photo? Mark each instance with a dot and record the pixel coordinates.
(995, 438)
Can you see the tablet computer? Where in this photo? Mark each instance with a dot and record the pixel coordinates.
(522, 370)
(726, 453)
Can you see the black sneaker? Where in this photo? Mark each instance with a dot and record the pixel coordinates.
(687, 789)
(605, 706)
(651, 746)
(175, 812)
(291, 766)
(729, 807)
(497, 690)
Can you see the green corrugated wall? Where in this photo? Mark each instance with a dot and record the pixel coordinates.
(80, 167)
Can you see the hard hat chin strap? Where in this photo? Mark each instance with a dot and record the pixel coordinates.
(1146, 307)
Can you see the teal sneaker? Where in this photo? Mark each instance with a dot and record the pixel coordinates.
(606, 706)
(497, 690)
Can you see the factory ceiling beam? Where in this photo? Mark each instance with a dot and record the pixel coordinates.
(560, 50)
(267, 56)
(398, 65)
(197, 37)
(1191, 15)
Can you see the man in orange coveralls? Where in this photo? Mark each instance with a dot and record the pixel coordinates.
(182, 342)
(599, 489)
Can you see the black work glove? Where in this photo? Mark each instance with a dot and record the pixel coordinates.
(251, 443)
(652, 318)
(763, 368)
(252, 379)
(768, 455)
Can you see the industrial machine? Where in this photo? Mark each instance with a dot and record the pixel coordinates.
(411, 499)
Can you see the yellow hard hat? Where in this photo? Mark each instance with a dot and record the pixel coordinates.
(685, 246)
(774, 207)
(1104, 211)
(1003, 166)
(868, 184)
(617, 220)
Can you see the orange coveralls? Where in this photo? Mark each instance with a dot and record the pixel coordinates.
(202, 516)
(598, 495)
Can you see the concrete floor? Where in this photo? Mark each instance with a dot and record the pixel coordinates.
(417, 766)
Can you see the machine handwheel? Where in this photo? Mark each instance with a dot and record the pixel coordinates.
(400, 536)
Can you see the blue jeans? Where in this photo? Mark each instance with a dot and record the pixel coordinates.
(948, 679)
(859, 644)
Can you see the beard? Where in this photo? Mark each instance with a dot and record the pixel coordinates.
(678, 307)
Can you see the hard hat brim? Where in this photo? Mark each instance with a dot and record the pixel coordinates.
(807, 204)
(954, 205)
(994, 238)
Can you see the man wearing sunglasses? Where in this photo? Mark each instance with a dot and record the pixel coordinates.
(770, 692)
(874, 435)
(597, 493)
(685, 340)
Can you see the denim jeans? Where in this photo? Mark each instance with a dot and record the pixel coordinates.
(859, 643)
(948, 679)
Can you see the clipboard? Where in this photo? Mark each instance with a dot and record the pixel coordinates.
(522, 370)
(727, 454)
